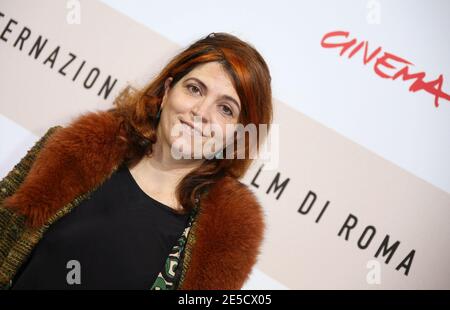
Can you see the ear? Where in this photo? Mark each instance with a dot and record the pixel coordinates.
(167, 83)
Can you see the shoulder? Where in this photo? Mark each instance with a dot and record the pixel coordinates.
(228, 237)
(235, 198)
(234, 215)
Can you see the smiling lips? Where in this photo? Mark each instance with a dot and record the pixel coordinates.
(199, 131)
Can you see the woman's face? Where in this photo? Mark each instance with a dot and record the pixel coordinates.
(200, 112)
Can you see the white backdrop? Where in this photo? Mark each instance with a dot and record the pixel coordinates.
(366, 144)
(379, 114)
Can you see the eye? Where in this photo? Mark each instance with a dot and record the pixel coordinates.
(226, 109)
(193, 89)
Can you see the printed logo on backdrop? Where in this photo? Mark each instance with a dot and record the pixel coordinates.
(386, 65)
(389, 248)
(67, 64)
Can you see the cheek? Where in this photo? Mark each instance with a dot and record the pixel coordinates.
(180, 103)
(167, 122)
(227, 133)
(175, 106)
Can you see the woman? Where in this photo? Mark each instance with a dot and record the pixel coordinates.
(115, 200)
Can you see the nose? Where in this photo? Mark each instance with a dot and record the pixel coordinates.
(199, 112)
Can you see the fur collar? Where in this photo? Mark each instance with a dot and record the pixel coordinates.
(78, 157)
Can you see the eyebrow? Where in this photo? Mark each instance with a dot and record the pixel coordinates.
(221, 97)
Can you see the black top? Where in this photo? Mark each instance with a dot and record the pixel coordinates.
(118, 238)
